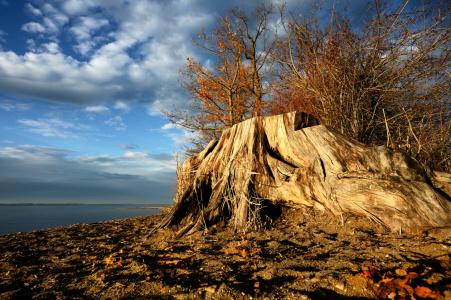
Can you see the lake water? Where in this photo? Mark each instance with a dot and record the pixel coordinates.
(25, 218)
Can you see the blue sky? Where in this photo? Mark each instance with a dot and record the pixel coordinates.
(81, 87)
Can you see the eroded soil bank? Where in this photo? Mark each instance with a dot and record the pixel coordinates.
(302, 256)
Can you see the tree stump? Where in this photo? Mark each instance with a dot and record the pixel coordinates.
(291, 159)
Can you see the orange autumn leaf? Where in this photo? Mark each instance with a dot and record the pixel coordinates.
(412, 275)
(109, 260)
(424, 292)
(371, 272)
(169, 262)
(300, 278)
(243, 252)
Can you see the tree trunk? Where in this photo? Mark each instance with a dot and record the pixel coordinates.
(292, 160)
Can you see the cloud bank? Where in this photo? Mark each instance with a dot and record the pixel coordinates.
(53, 175)
(94, 52)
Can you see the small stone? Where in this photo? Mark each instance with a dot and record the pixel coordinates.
(340, 286)
(210, 289)
(392, 295)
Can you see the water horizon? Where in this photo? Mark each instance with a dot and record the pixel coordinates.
(23, 217)
(80, 204)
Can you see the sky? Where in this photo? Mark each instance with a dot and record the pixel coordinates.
(82, 84)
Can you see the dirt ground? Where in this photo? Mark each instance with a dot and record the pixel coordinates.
(301, 256)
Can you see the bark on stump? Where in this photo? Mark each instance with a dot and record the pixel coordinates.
(291, 159)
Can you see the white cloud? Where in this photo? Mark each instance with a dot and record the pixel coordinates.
(135, 155)
(54, 127)
(33, 27)
(6, 142)
(52, 20)
(168, 126)
(49, 9)
(116, 122)
(132, 50)
(184, 137)
(86, 26)
(55, 14)
(131, 162)
(101, 109)
(50, 26)
(12, 106)
(84, 47)
(76, 7)
(54, 77)
(179, 135)
(7, 106)
(154, 109)
(33, 10)
(31, 45)
(122, 105)
(51, 48)
(31, 153)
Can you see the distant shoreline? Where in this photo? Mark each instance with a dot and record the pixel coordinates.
(153, 207)
(143, 206)
(164, 209)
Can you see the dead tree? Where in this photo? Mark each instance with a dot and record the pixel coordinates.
(291, 159)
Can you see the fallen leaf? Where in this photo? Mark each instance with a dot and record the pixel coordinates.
(412, 275)
(169, 262)
(243, 252)
(109, 260)
(424, 292)
(388, 286)
(371, 272)
(365, 244)
(385, 289)
(182, 272)
(300, 278)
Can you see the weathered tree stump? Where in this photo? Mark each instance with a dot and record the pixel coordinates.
(291, 159)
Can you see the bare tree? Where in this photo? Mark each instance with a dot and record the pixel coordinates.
(258, 35)
(232, 88)
(386, 82)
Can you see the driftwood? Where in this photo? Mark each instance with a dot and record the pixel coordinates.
(293, 160)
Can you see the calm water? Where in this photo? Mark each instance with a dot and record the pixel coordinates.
(15, 219)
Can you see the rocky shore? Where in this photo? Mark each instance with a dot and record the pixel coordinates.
(303, 256)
